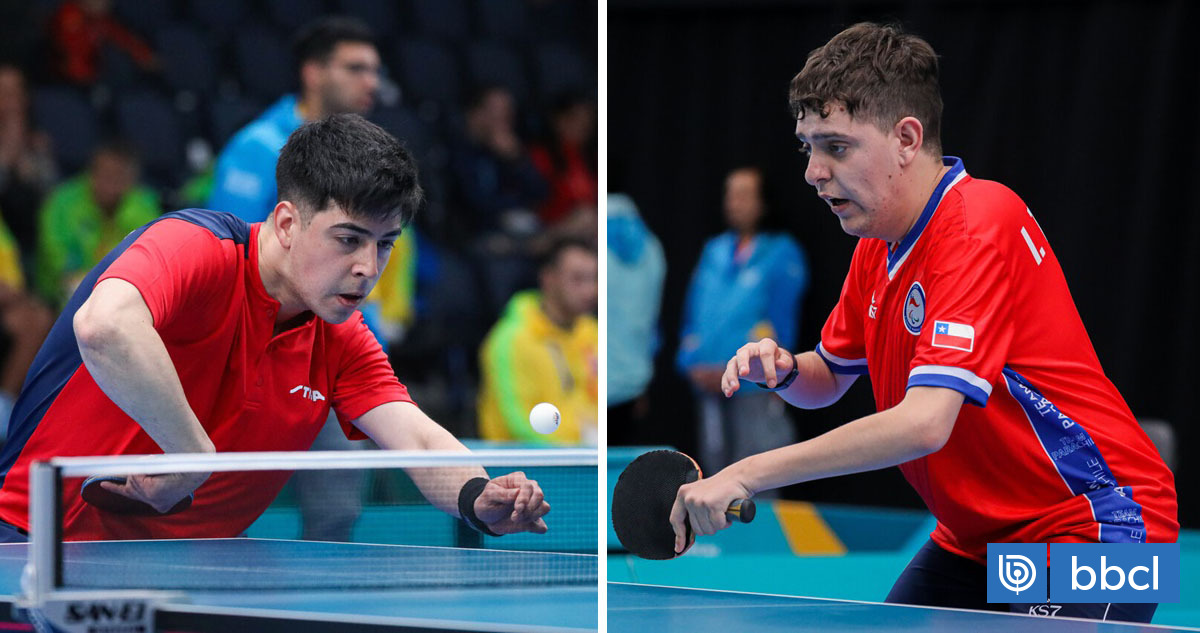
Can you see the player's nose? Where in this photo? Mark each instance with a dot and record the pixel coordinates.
(366, 264)
(816, 172)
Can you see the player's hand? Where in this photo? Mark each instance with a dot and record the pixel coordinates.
(703, 504)
(160, 492)
(512, 503)
(764, 361)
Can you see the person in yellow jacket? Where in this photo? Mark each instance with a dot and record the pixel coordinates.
(544, 349)
(23, 320)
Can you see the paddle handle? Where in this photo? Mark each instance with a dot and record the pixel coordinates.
(741, 510)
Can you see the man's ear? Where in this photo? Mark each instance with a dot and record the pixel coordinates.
(911, 135)
(286, 222)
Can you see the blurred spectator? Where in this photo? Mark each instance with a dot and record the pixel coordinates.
(88, 215)
(24, 322)
(636, 268)
(339, 72)
(80, 29)
(498, 190)
(497, 182)
(747, 286)
(568, 162)
(27, 166)
(544, 349)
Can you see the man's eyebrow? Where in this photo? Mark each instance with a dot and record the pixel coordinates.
(350, 226)
(819, 136)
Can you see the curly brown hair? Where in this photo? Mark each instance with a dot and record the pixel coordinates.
(879, 73)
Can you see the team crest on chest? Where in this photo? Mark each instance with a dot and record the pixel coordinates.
(913, 313)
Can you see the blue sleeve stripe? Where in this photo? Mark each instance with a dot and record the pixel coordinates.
(839, 365)
(975, 389)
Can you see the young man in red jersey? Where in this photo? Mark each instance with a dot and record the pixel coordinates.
(990, 396)
(201, 333)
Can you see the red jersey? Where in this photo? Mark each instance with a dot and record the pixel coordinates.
(973, 299)
(251, 389)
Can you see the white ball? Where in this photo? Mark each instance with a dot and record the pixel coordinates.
(544, 418)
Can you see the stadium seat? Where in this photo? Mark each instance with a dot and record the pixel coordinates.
(382, 16)
(264, 64)
(189, 61)
(145, 18)
(495, 63)
(442, 19)
(560, 68)
(219, 16)
(504, 20)
(71, 123)
(290, 15)
(151, 124)
(429, 72)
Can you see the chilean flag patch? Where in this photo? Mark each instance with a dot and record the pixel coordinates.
(953, 335)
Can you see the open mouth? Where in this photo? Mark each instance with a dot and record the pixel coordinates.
(837, 203)
(350, 297)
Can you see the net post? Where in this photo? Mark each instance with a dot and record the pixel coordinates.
(44, 568)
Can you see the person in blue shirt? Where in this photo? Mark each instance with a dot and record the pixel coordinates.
(338, 67)
(636, 271)
(748, 285)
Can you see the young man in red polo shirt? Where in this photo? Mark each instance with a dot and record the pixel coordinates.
(990, 397)
(202, 333)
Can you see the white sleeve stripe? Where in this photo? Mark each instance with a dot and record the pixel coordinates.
(954, 372)
(838, 360)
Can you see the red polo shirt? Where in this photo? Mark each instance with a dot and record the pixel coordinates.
(252, 390)
(1044, 448)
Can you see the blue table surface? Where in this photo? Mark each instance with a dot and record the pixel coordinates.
(387, 584)
(633, 607)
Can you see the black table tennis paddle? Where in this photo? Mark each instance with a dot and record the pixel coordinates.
(644, 495)
(109, 501)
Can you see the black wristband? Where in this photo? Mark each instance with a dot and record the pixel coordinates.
(785, 383)
(466, 504)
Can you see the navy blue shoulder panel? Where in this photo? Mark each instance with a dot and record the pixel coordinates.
(59, 359)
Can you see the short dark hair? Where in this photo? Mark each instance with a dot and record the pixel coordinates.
(317, 39)
(118, 147)
(561, 245)
(347, 160)
(478, 94)
(879, 73)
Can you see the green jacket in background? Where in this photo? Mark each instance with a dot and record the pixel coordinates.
(74, 234)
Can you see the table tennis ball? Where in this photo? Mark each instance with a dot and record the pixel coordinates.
(544, 417)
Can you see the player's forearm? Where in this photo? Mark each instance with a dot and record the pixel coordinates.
(130, 364)
(908, 431)
(816, 385)
(403, 426)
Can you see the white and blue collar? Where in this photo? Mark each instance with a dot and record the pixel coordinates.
(956, 173)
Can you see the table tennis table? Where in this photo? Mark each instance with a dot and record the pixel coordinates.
(269, 585)
(636, 607)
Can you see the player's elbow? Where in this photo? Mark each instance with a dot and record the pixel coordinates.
(93, 330)
(931, 412)
(932, 434)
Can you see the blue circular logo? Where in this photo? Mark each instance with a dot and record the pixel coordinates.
(914, 308)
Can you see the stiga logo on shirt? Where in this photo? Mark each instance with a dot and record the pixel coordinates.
(309, 394)
(1114, 572)
(1016, 572)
